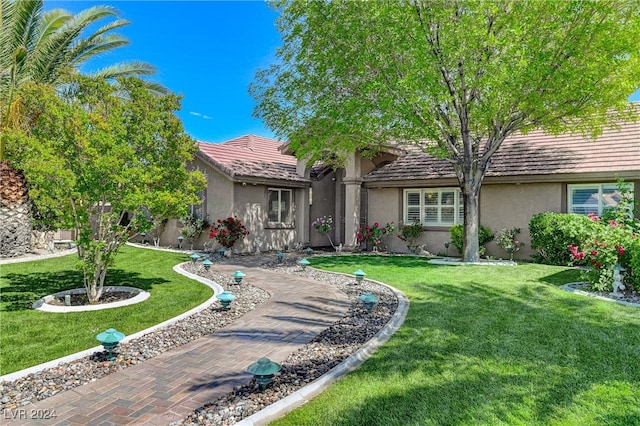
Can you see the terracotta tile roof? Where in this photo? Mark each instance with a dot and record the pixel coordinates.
(252, 156)
(534, 154)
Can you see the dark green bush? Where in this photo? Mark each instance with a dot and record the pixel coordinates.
(552, 233)
(457, 237)
(634, 262)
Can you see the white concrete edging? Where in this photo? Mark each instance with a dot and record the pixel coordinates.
(217, 289)
(310, 391)
(568, 287)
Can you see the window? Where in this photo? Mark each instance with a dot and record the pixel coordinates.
(594, 198)
(441, 206)
(279, 205)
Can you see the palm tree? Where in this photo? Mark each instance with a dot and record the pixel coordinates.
(43, 46)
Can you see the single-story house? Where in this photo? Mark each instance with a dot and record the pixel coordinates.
(278, 197)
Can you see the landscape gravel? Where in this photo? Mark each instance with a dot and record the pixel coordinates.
(326, 351)
(49, 382)
(311, 361)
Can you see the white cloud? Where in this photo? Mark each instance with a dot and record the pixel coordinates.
(197, 114)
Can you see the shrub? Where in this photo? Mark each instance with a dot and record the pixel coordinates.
(551, 234)
(508, 242)
(373, 234)
(228, 231)
(633, 276)
(611, 244)
(457, 237)
(411, 233)
(324, 225)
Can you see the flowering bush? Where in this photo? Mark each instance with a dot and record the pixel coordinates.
(374, 234)
(608, 247)
(507, 241)
(228, 231)
(411, 233)
(324, 226)
(457, 238)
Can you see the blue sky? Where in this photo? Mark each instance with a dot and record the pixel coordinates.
(206, 51)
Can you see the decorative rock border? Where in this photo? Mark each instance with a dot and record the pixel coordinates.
(306, 393)
(44, 305)
(572, 288)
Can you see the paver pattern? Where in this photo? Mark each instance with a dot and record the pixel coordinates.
(168, 387)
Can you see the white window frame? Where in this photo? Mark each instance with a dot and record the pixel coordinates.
(597, 186)
(290, 207)
(458, 205)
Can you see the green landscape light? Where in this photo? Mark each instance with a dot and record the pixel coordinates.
(195, 257)
(280, 257)
(207, 264)
(304, 263)
(109, 340)
(225, 299)
(369, 301)
(360, 274)
(309, 250)
(264, 370)
(238, 276)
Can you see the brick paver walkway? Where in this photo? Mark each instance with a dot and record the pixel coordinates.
(166, 388)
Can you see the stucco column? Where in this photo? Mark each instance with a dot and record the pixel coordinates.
(352, 182)
(302, 214)
(302, 203)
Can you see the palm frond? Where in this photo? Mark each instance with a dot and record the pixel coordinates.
(86, 49)
(125, 69)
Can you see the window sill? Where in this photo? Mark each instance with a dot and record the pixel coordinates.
(276, 225)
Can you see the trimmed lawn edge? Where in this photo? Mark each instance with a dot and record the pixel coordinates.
(217, 289)
(351, 363)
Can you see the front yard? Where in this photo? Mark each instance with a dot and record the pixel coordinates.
(29, 337)
(486, 346)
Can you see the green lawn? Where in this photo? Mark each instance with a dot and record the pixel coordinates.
(29, 337)
(488, 346)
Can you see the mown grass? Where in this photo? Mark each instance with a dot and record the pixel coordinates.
(488, 346)
(29, 337)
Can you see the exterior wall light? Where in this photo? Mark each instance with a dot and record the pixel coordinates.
(369, 301)
(304, 263)
(109, 340)
(207, 264)
(263, 370)
(225, 299)
(238, 276)
(360, 274)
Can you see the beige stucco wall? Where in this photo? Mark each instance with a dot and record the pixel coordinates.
(501, 206)
(512, 205)
(250, 206)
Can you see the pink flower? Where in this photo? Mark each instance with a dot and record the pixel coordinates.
(594, 253)
(594, 217)
(613, 223)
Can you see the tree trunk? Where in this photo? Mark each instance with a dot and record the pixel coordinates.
(15, 212)
(470, 196)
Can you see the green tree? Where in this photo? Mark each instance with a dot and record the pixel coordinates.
(454, 78)
(42, 46)
(104, 164)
